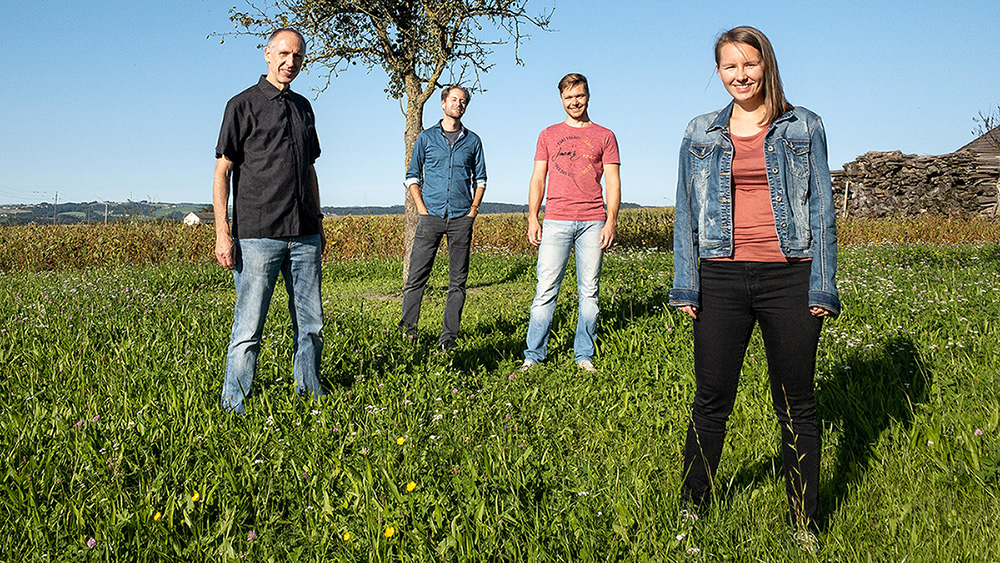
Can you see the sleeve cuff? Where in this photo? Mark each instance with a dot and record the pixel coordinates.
(681, 297)
(410, 181)
(825, 300)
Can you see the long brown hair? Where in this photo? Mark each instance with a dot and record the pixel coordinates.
(774, 93)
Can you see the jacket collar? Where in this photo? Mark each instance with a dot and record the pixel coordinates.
(722, 120)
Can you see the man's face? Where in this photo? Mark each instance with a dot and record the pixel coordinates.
(454, 105)
(574, 100)
(284, 59)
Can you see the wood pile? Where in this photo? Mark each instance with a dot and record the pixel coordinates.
(893, 184)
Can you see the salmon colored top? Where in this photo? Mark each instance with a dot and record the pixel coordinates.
(755, 238)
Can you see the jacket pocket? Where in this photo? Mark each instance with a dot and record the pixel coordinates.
(798, 156)
(701, 161)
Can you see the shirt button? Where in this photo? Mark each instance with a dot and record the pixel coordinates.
(778, 198)
(783, 224)
(770, 148)
(774, 170)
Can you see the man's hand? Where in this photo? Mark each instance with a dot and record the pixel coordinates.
(224, 250)
(607, 235)
(534, 231)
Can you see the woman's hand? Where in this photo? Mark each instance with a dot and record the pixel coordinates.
(692, 311)
(820, 312)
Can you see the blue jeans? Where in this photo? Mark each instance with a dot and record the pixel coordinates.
(558, 238)
(258, 262)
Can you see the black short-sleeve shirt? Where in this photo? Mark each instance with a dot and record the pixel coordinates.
(270, 136)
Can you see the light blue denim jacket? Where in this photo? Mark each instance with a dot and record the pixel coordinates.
(798, 176)
(448, 171)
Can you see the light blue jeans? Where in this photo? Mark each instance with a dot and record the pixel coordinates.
(258, 262)
(558, 238)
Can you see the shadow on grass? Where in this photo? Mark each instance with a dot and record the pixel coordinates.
(864, 396)
(514, 272)
(503, 336)
(870, 391)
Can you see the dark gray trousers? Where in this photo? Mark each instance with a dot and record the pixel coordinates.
(426, 240)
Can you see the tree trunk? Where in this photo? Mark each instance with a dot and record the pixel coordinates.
(414, 125)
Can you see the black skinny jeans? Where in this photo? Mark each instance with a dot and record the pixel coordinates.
(426, 240)
(734, 296)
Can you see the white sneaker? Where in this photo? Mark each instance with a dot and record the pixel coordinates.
(586, 365)
(528, 364)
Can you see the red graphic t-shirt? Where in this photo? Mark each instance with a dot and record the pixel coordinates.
(576, 157)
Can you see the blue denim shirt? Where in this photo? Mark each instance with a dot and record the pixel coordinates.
(448, 172)
(798, 177)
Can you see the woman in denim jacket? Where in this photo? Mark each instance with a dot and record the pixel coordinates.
(755, 243)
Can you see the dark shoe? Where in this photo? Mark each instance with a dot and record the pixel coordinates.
(448, 346)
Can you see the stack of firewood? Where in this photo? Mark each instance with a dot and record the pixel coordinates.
(893, 184)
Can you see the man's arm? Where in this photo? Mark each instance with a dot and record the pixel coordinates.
(314, 187)
(480, 179)
(417, 198)
(536, 191)
(413, 174)
(477, 199)
(220, 205)
(613, 187)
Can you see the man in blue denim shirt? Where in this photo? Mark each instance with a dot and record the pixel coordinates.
(447, 162)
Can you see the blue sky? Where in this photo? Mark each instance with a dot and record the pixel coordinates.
(118, 99)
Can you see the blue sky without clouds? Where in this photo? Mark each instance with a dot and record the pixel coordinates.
(119, 100)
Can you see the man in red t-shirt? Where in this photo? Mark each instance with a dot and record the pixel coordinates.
(573, 156)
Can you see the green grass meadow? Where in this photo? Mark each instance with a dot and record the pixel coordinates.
(113, 448)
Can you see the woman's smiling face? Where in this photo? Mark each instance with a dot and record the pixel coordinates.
(741, 69)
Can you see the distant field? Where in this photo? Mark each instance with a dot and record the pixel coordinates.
(111, 436)
(60, 247)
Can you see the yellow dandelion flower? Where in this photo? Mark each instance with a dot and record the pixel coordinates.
(400, 440)
(390, 531)
(347, 536)
(157, 516)
(195, 497)
(410, 486)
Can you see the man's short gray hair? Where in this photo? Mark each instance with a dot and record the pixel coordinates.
(274, 34)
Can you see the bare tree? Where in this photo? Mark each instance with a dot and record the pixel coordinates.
(413, 41)
(988, 128)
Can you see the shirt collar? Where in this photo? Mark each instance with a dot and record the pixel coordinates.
(438, 125)
(269, 89)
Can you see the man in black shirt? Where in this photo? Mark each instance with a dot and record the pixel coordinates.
(266, 150)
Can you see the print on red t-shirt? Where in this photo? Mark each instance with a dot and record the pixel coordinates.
(576, 157)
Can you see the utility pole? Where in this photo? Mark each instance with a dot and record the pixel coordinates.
(105, 213)
(55, 211)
